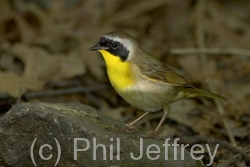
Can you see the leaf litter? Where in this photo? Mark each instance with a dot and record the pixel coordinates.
(48, 41)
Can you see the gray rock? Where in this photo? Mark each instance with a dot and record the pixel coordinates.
(75, 126)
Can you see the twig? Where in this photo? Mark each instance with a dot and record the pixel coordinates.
(81, 89)
(93, 99)
(225, 51)
(202, 139)
(200, 35)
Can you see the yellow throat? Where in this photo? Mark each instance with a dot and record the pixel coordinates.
(119, 72)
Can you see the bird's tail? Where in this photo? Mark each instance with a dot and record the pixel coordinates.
(194, 92)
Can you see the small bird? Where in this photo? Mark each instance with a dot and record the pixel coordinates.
(142, 80)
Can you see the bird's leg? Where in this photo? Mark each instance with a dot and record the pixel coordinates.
(138, 119)
(166, 110)
(129, 127)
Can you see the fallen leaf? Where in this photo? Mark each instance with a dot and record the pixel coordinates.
(15, 85)
(45, 66)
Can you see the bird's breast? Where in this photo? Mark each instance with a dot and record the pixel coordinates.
(136, 89)
(119, 72)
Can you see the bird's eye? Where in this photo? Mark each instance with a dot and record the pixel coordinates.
(114, 45)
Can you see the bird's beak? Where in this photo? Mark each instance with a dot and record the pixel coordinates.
(98, 47)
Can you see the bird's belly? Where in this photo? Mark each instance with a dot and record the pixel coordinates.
(149, 96)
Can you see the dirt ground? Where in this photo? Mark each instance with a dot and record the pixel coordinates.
(44, 56)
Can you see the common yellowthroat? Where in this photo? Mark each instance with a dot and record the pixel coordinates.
(142, 80)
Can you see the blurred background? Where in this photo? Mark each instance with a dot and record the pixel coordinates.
(44, 57)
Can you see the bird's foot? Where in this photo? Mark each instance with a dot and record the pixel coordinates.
(112, 129)
(130, 129)
(151, 133)
(125, 130)
(148, 135)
